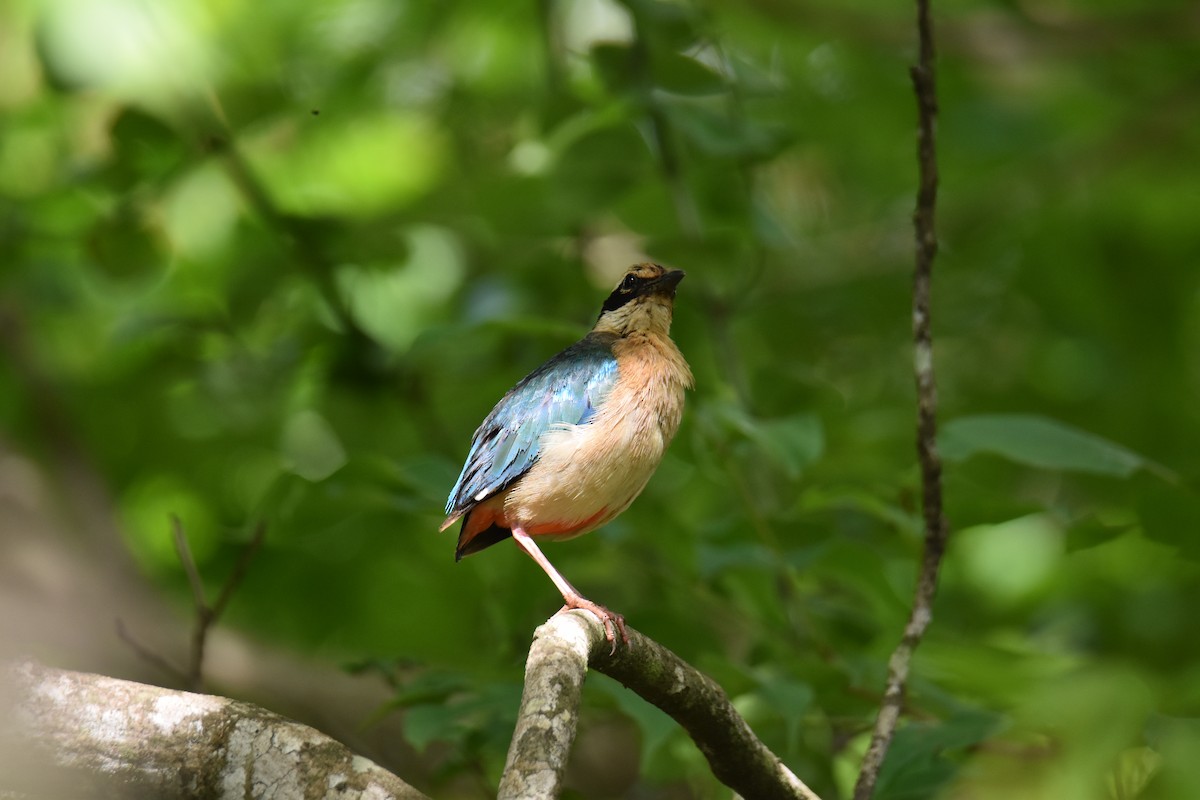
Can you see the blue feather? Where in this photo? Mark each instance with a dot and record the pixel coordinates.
(567, 389)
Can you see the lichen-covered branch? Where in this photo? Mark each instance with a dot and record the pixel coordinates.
(925, 88)
(74, 734)
(561, 653)
(549, 715)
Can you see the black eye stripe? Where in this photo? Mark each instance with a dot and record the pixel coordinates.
(617, 299)
(626, 291)
(635, 285)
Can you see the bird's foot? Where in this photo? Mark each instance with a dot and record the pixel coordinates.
(613, 622)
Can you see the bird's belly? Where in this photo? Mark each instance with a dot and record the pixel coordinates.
(587, 474)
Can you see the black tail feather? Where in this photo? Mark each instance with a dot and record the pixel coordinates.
(480, 541)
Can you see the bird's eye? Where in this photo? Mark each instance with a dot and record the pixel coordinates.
(627, 284)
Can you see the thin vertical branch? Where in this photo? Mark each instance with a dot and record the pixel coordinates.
(239, 570)
(924, 86)
(207, 615)
(204, 615)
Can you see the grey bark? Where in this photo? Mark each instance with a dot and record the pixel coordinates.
(79, 735)
(559, 658)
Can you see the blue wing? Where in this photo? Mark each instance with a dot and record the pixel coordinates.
(566, 389)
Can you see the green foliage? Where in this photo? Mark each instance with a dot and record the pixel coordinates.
(1037, 442)
(275, 261)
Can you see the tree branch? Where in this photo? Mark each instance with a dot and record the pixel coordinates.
(925, 88)
(74, 734)
(206, 615)
(559, 658)
(149, 656)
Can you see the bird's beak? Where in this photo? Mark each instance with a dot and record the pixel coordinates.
(667, 283)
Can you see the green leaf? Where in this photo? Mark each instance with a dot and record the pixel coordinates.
(1030, 548)
(719, 134)
(791, 700)
(793, 442)
(715, 559)
(682, 74)
(128, 245)
(144, 148)
(311, 448)
(1092, 533)
(1171, 516)
(428, 723)
(916, 765)
(1037, 442)
(654, 723)
(615, 64)
(668, 25)
(429, 687)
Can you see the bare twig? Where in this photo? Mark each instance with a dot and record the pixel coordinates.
(925, 88)
(73, 734)
(206, 615)
(562, 651)
(189, 564)
(148, 655)
(239, 570)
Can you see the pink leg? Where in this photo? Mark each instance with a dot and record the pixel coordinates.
(570, 594)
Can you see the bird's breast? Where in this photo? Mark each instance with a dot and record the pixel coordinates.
(587, 474)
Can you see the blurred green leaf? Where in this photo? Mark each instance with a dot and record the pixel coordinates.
(425, 724)
(1092, 533)
(1030, 548)
(616, 65)
(682, 74)
(791, 443)
(918, 763)
(146, 511)
(1171, 515)
(430, 687)
(360, 166)
(722, 135)
(474, 720)
(713, 560)
(310, 447)
(655, 726)
(1134, 770)
(669, 25)
(790, 699)
(127, 245)
(146, 149)
(1037, 442)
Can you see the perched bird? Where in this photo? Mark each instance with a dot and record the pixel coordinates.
(571, 445)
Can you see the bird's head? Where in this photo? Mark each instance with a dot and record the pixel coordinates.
(642, 301)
